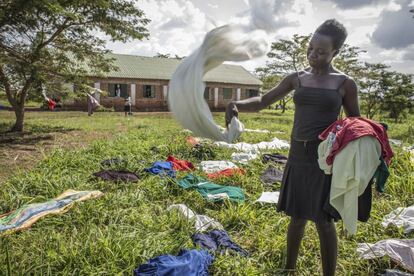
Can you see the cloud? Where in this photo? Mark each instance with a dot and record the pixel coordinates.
(409, 54)
(395, 30)
(354, 4)
(212, 6)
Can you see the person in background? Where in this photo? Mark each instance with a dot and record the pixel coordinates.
(127, 106)
(319, 93)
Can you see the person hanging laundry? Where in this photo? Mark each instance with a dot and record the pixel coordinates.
(162, 168)
(180, 165)
(117, 175)
(92, 104)
(320, 91)
(187, 263)
(217, 240)
(25, 216)
(226, 173)
(211, 191)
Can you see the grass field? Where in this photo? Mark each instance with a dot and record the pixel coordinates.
(114, 234)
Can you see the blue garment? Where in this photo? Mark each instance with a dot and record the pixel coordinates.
(162, 168)
(187, 263)
(217, 240)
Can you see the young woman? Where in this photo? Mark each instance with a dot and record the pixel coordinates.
(320, 91)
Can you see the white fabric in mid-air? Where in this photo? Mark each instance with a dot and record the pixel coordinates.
(186, 88)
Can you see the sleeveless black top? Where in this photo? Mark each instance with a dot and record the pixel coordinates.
(315, 110)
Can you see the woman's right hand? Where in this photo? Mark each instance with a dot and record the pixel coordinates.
(231, 111)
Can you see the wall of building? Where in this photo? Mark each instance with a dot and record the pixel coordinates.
(216, 100)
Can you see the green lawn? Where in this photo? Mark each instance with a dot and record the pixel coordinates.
(129, 224)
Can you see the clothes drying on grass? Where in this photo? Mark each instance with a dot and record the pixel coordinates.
(216, 166)
(162, 168)
(393, 272)
(217, 240)
(274, 157)
(180, 165)
(400, 251)
(271, 175)
(269, 197)
(381, 175)
(401, 217)
(27, 215)
(243, 157)
(186, 263)
(256, 148)
(201, 222)
(211, 191)
(352, 128)
(117, 175)
(226, 173)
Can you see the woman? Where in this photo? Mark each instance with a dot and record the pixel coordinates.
(320, 91)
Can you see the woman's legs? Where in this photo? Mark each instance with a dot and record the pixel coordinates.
(295, 233)
(329, 246)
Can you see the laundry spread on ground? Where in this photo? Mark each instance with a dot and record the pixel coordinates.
(180, 165)
(226, 173)
(256, 148)
(243, 157)
(117, 175)
(217, 240)
(274, 157)
(401, 217)
(201, 222)
(162, 168)
(214, 166)
(400, 251)
(211, 191)
(187, 263)
(271, 175)
(269, 197)
(393, 272)
(27, 215)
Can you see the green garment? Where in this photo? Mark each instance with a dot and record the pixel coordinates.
(211, 191)
(381, 176)
(352, 170)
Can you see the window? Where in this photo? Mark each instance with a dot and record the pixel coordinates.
(149, 91)
(118, 90)
(207, 93)
(252, 93)
(227, 93)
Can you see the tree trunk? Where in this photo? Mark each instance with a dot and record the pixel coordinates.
(19, 111)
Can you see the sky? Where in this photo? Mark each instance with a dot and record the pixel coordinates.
(383, 28)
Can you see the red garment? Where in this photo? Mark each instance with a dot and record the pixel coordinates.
(226, 173)
(51, 104)
(180, 165)
(352, 128)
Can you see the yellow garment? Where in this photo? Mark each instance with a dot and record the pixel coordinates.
(352, 169)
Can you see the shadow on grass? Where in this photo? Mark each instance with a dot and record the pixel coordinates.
(32, 135)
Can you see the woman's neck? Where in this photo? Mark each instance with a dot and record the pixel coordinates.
(321, 70)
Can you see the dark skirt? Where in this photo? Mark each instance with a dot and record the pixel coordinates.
(305, 187)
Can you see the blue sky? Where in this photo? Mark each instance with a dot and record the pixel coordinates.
(384, 28)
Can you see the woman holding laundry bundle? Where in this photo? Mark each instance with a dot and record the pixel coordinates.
(319, 93)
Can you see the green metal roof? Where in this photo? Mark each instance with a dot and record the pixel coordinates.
(139, 67)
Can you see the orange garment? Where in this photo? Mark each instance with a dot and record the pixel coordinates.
(226, 173)
(180, 165)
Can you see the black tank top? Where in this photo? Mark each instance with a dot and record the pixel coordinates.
(315, 110)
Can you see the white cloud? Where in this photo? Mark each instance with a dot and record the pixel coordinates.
(213, 6)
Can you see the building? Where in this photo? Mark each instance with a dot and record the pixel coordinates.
(145, 80)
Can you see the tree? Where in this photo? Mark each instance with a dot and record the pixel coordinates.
(398, 96)
(44, 40)
(371, 85)
(286, 56)
(160, 55)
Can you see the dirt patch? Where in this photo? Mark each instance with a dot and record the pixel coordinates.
(20, 152)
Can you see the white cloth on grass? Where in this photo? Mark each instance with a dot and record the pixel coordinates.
(213, 166)
(256, 148)
(393, 272)
(400, 251)
(202, 222)
(401, 217)
(243, 157)
(269, 197)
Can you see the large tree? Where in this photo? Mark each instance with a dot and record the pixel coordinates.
(52, 41)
